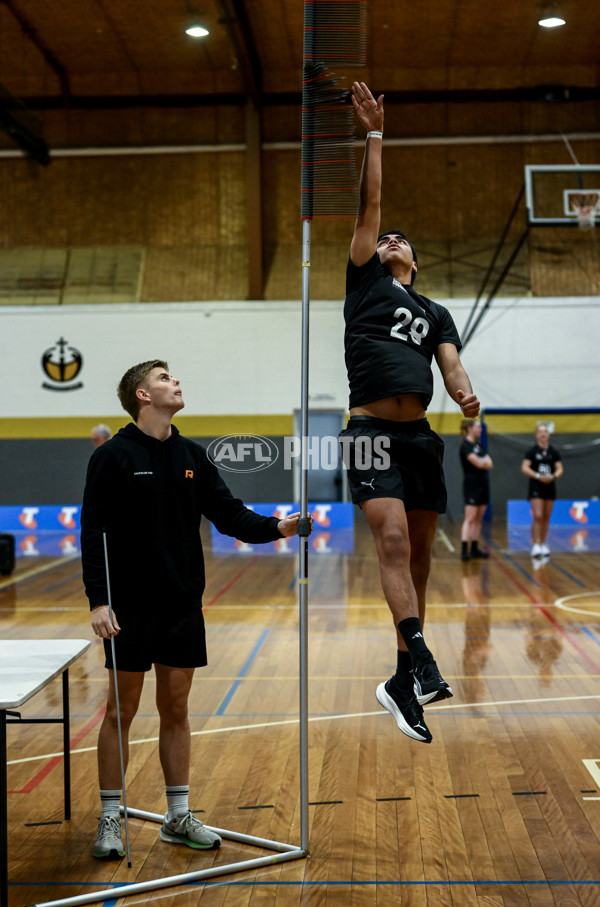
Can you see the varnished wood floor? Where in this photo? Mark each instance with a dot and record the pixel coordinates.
(503, 808)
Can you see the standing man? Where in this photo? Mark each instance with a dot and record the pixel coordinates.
(392, 335)
(147, 489)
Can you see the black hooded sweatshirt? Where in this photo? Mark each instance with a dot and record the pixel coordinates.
(149, 497)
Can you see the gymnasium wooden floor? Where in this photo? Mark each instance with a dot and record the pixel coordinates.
(503, 808)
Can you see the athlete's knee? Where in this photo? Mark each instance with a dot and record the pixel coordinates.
(393, 543)
(173, 712)
(126, 714)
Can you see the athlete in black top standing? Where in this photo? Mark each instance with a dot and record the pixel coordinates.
(543, 465)
(146, 492)
(392, 334)
(476, 463)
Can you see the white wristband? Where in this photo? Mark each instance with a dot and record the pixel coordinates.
(375, 135)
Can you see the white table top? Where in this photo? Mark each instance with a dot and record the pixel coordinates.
(27, 665)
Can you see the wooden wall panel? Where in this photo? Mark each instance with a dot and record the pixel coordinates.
(564, 261)
(188, 211)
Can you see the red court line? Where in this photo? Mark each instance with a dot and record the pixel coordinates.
(593, 664)
(228, 585)
(555, 623)
(56, 760)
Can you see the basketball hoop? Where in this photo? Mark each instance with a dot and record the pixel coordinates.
(586, 207)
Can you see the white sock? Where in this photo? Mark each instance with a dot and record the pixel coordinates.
(110, 800)
(177, 801)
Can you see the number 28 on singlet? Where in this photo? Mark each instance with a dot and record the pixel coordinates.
(407, 325)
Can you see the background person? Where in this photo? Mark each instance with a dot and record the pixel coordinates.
(148, 489)
(543, 466)
(476, 464)
(100, 434)
(392, 334)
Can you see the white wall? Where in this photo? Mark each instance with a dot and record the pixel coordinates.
(244, 357)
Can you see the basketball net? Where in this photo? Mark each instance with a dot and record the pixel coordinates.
(586, 206)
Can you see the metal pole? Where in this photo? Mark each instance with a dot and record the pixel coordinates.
(3, 814)
(303, 532)
(66, 743)
(117, 892)
(114, 661)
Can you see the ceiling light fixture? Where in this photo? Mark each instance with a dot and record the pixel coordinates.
(197, 31)
(550, 18)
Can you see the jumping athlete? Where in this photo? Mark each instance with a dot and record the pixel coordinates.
(476, 464)
(147, 490)
(542, 465)
(392, 335)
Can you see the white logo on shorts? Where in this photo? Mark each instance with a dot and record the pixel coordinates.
(369, 484)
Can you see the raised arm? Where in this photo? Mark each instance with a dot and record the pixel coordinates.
(370, 114)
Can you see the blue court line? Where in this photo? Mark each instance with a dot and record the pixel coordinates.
(591, 634)
(110, 902)
(244, 670)
(515, 564)
(569, 575)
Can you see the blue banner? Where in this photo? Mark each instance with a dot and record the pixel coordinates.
(574, 526)
(39, 519)
(54, 531)
(581, 513)
(333, 531)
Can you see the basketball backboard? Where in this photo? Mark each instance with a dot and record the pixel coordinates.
(551, 190)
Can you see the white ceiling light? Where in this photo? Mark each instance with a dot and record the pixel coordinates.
(196, 31)
(550, 18)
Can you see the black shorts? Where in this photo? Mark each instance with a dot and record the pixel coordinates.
(539, 490)
(387, 459)
(476, 492)
(145, 639)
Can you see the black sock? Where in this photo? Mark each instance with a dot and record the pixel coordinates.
(402, 679)
(464, 547)
(412, 634)
(474, 546)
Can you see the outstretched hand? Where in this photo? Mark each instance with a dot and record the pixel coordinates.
(289, 524)
(368, 110)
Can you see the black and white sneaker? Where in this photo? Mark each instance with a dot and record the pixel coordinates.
(429, 684)
(406, 710)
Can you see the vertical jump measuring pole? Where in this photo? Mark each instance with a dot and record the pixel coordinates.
(334, 33)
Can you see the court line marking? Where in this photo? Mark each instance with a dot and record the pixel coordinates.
(543, 609)
(313, 607)
(442, 535)
(242, 674)
(14, 580)
(561, 603)
(294, 721)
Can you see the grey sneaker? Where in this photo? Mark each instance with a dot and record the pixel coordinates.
(190, 831)
(108, 844)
